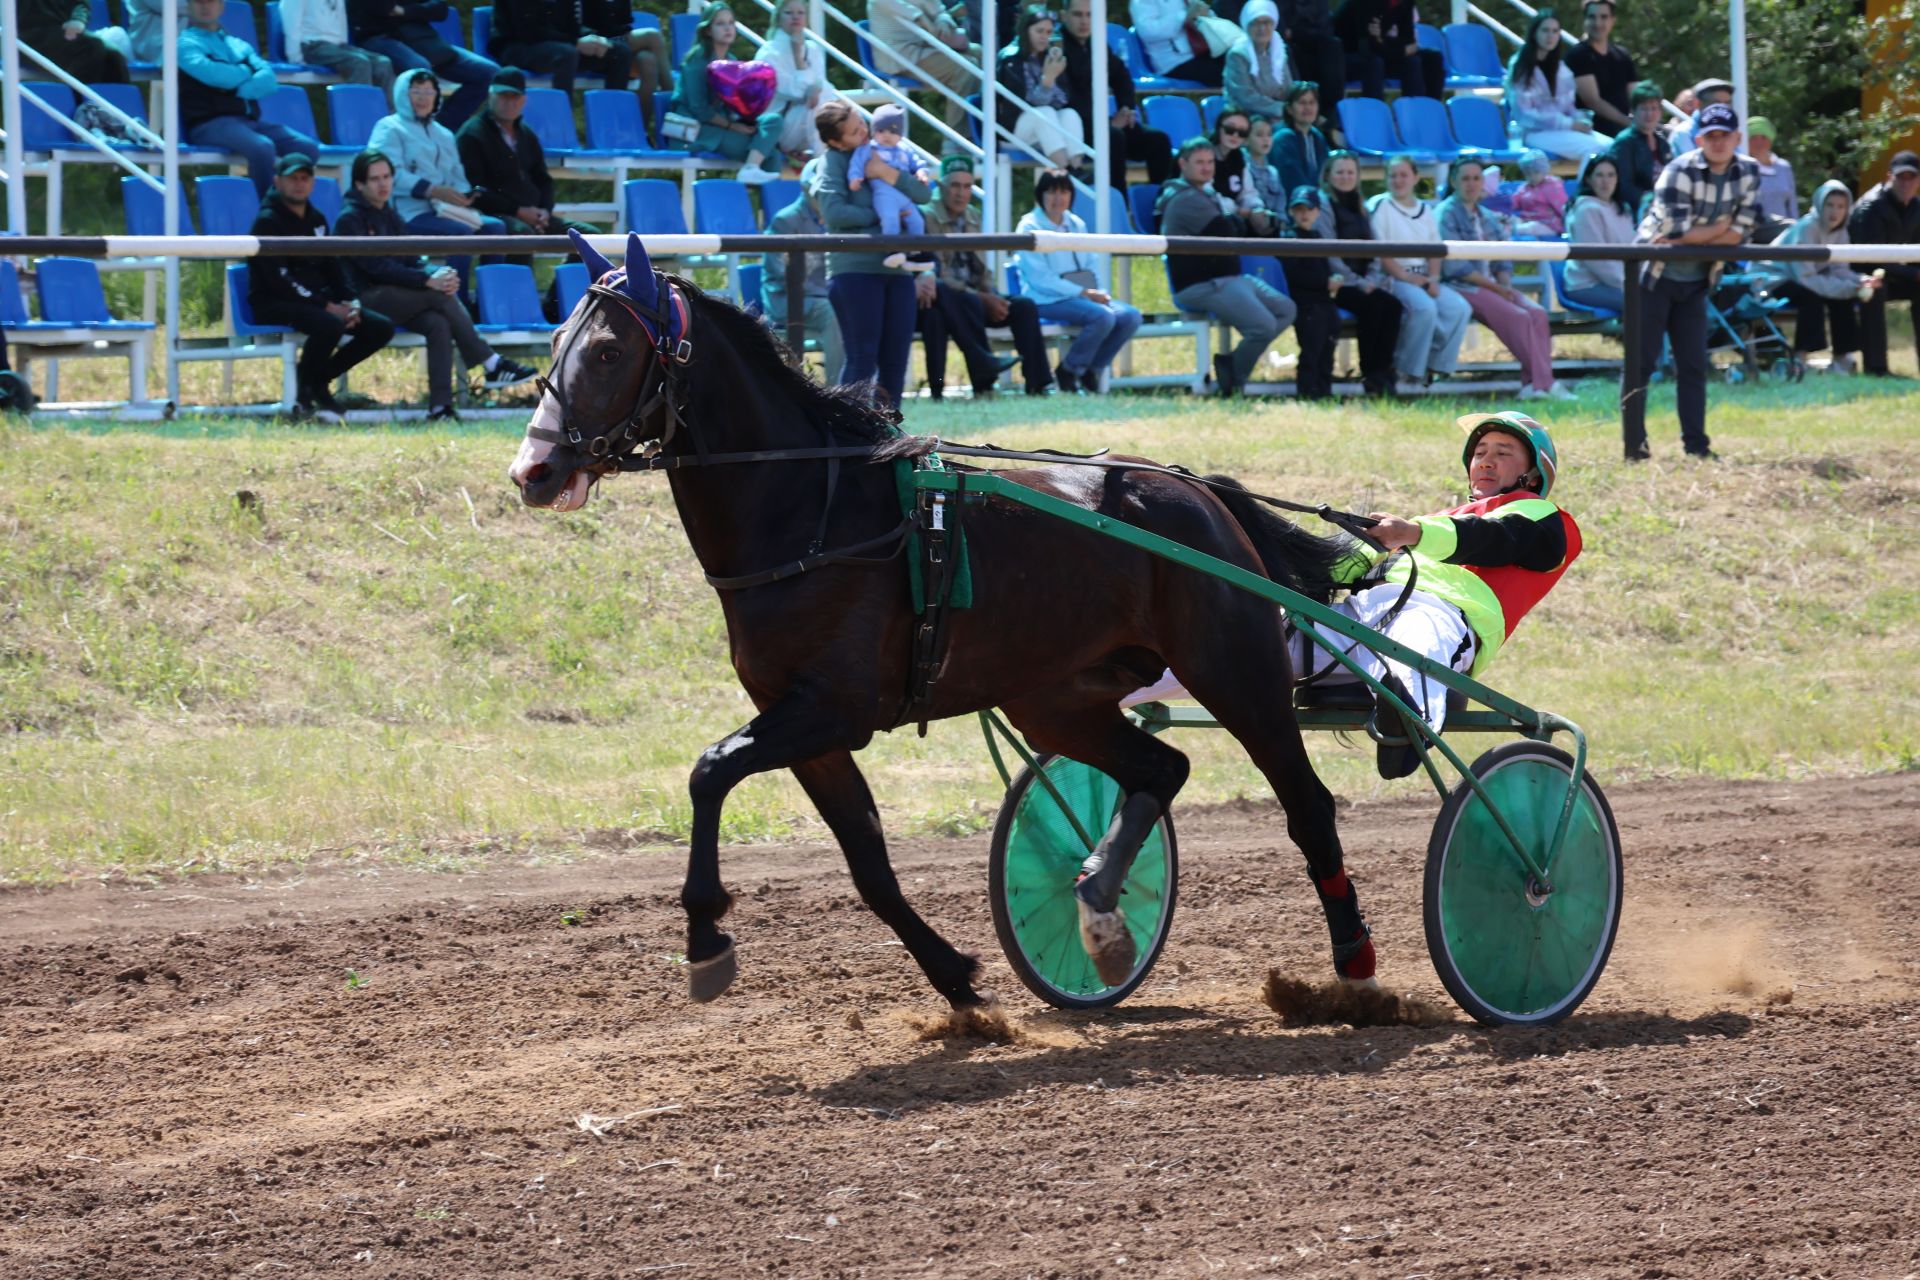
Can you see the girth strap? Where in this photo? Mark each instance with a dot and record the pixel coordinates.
(853, 555)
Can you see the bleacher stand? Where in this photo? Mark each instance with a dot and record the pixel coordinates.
(537, 35)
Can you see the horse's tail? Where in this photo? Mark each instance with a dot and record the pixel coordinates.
(1293, 557)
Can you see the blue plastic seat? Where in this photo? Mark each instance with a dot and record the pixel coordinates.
(352, 111)
(146, 211)
(13, 303)
(1084, 207)
(288, 105)
(1473, 60)
(751, 274)
(777, 195)
(570, 284)
(482, 29)
(1141, 197)
(228, 204)
(326, 198)
(653, 207)
(550, 116)
(1424, 127)
(40, 131)
(613, 123)
(1266, 269)
(1480, 123)
(508, 299)
(722, 207)
(1558, 268)
(450, 29)
(1368, 125)
(681, 35)
(645, 21)
(70, 294)
(1144, 80)
(1178, 118)
(865, 49)
(240, 306)
(1210, 108)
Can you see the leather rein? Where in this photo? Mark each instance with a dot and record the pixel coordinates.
(631, 445)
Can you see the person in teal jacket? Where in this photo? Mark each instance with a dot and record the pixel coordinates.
(222, 80)
(721, 129)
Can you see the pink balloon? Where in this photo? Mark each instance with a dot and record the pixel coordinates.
(746, 87)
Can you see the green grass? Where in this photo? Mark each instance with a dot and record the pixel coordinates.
(351, 664)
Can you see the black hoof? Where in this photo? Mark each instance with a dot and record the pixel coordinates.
(709, 979)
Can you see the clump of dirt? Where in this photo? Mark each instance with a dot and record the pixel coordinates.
(1304, 1004)
(981, 1022)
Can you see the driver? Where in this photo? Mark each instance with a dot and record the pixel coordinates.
(1475, 570)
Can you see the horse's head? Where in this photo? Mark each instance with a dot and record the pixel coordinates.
(598, 400)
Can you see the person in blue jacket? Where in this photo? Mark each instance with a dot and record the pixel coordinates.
(222, 80)
(1068, 292)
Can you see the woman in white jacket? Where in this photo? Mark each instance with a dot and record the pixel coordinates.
(803, 80)
(1540, 95)
(1433, 318)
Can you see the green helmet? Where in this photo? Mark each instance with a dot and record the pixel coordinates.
(1546, 462)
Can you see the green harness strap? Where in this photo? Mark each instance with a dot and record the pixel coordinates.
(961, 595)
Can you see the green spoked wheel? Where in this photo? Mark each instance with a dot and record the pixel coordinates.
(1508, 954)
(1034, 861)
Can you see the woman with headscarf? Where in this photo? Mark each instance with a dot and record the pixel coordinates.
(1257, 73)
(1362, 287)
(723, 129)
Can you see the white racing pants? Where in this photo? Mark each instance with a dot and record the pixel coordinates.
(1425, 624)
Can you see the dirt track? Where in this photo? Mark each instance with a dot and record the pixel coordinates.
(191, 1088)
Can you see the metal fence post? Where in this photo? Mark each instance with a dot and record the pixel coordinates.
(796, 270)
(1633, 391)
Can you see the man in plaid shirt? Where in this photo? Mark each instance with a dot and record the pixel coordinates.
(961, 302)
(1708, 196)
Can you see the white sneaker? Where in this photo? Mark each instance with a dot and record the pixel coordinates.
(754, 176)
(1561, 391)
(1530, 392)
(1842, 364)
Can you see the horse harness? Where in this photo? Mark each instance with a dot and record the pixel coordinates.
(628, 447)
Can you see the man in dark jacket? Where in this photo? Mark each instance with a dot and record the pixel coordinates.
(58, 30)
(1130, 140)
(1212, 283)
(957, 300)
(1889, 214)
(507, 165)
(403, 31)
(547, 35)
(407, 292)
(311, 295)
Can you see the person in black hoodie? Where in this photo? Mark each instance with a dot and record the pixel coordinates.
(1311, 285)
(548, 35)
(407, 292)
(403, 31)
(311, 295)
(1889, 214)
(1130, 138)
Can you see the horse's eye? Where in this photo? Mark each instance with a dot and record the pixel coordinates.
(610, 355)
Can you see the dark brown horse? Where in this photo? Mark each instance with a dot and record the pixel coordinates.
(1063, 622)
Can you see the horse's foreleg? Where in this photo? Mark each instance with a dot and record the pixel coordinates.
(838, 790)
(786, 733)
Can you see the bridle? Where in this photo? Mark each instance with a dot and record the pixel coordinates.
(668, 327)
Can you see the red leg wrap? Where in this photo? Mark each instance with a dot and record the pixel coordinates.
(1336, 885)
(1359, 966)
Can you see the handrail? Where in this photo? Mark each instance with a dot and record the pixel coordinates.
(88, 138)
(86, 91)
(902, 99)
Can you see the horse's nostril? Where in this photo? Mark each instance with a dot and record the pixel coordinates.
(535, 474)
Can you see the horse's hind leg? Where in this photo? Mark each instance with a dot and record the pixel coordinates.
(1150, 774)
(838, 790)
(1237, 669)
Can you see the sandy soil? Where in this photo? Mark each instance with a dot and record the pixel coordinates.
(192, 1088)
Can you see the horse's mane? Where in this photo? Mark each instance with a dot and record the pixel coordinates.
(843, 413)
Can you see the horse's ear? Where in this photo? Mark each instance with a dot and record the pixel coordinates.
(640, 285)
(597, 264)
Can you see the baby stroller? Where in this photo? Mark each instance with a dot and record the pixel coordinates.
(1741, 317)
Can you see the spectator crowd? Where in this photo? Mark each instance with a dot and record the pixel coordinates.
(454, 157)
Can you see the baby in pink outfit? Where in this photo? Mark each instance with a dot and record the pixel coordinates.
(1539, 207)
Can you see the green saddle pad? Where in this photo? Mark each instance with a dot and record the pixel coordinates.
(961, 597)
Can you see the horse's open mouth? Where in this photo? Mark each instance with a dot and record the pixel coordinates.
(574, 496)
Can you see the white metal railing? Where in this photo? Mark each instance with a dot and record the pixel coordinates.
(81, 132)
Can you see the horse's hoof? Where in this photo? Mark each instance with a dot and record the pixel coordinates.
(1109, 945)
(708, 979)
(1359, 984)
